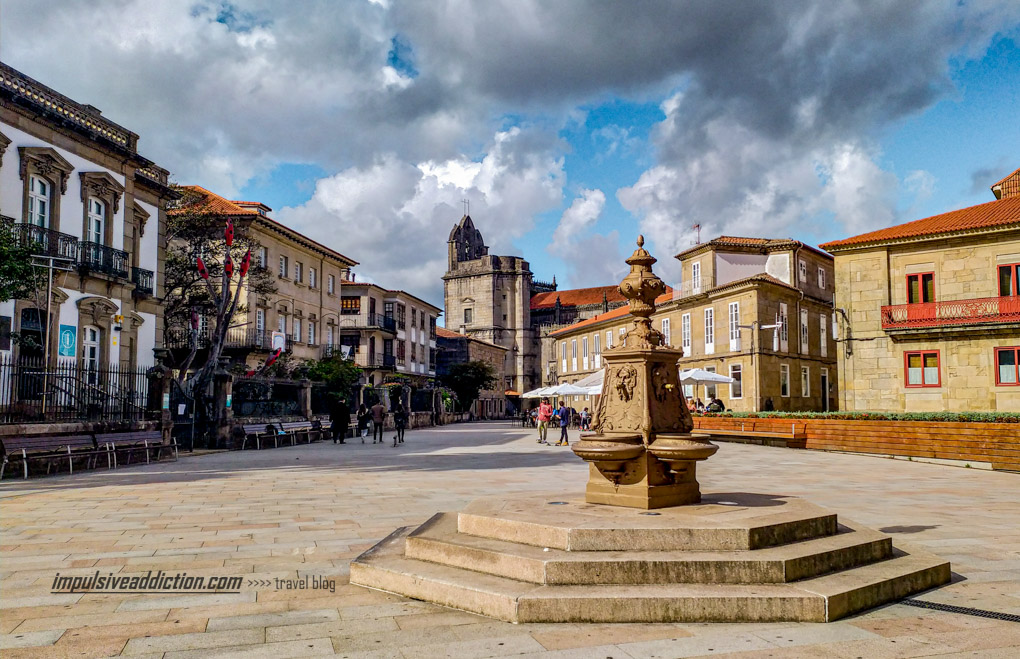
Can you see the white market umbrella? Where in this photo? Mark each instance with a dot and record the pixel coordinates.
(567, 389)
(592, 383)
(537, 393)
(701, 376)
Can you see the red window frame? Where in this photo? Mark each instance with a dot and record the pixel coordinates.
(1016, 366)
(922, 353)
(920, 287)
(1014, 269)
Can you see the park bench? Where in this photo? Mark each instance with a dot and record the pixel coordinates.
(296, 430)
(257, 432)
(747, 432)
(50, 448)
(132, 441)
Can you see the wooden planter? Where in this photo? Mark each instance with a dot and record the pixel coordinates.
(995, 443)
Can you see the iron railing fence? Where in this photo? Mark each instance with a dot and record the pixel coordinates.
(261, 397)
(44, 242)
(69, 390)
(102, 258)
(143, 280)
(237, 337)
(950, 313)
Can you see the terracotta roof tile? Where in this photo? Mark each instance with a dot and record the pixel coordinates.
(1009, 186)
(999, 213)
(767, 244)
(576, 297)
(448, 334)
(212, 203)
(610, 315)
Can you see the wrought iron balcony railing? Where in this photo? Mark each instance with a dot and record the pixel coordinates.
(369, 321)
(143, 280)
(951, 313)
(374, 361)
(237, 338)
(44, 242)
(100, 258)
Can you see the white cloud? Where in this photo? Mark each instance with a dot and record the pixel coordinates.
(582, 213)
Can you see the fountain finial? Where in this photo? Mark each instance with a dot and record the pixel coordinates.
(641, 286)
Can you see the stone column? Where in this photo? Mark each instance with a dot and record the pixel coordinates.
(159, 393)
(305, 398)
(223, 388)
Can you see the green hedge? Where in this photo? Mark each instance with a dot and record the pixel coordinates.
(959, 417)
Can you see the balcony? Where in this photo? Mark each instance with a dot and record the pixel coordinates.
(238, 338)
(94, 257)
(689, 288)
(143, 280)
(951, 314)
(368, 321)
(44, 242)
(374, 361)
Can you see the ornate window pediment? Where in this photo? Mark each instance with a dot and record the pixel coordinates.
(141, 217)
(102, 186)
(99, 309)
(4, 143)
(45, 161)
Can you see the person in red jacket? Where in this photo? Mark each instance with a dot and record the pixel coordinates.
(545, 413)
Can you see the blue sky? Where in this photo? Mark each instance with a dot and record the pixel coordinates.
(570, 127)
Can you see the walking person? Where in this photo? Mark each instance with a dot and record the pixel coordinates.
(564, 414)
(339, 420)
(363, 416)
(399, 422)
(378, 420)
(545, 413)
(585, 419)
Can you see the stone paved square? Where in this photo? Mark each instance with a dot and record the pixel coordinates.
(306, 511)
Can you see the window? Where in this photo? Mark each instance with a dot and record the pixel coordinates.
(695, 278)
(39, 202)
(805, 382)
(802, 271)
(329, 335)
(584, 352)
(823, 338)
(609, 339)
(331, 284)
(311, 332)
(281, 324)
(710, 390)
(734, 309)
(685, 333)
(312, 278)
(921, 288)
(90, 353)
(260, 320)
(1007, 362)
(297, 330)
(784, 380)
(709, 331)
(803, 331)
(573, 354)
(784, 329)
(1009, 279)
(467, 316)
(350, 305)
(598, 351)
(737, 386)
(402, 316)
(298, 272)
(414, 318)
(283, 267)
(262, 258)
(821, 278)
(401, 352)
(923, 368)
(666, 334)
(563, 356)
(421, 320)
(94, 229)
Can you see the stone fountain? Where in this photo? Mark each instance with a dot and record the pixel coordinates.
(607, 557)
(642, 454)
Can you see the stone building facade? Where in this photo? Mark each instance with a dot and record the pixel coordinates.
(456, 348)
(929, 311)
(73, 185)
(387, 331)
(731, 288)
(303, 316)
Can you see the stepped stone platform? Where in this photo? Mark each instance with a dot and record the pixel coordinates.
(734, 557)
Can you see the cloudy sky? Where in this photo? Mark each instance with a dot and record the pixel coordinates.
(568, 126)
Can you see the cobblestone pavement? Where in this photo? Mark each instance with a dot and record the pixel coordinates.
(306, 511)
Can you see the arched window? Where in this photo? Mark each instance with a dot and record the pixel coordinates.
(39, 202)
(91, 353)
(95, 230)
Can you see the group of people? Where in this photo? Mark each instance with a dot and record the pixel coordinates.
(546, 415)
(696, 406)
(374, 417)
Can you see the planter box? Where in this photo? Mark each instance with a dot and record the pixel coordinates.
(995, 443)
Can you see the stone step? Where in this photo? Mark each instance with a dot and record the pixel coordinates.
(820, 599)
(721, 522)
(439, 541)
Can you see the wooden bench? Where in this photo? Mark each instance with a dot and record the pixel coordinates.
(50, 448)
(296, 430)
(132, 441)
(747, 431)
(258, 432)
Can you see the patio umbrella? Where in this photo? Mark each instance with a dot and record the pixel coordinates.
(699, 376)
(567, 389)
(593, 382)
(536, 393)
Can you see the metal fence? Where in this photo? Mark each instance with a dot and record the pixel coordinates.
(32, 392)
(265, 397)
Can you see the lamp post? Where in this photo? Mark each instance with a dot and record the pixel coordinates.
(754, 327)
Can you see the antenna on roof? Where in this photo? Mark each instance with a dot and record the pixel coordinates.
(697, 227)
(467, 206)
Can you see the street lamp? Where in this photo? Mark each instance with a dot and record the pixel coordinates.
(754, 327)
